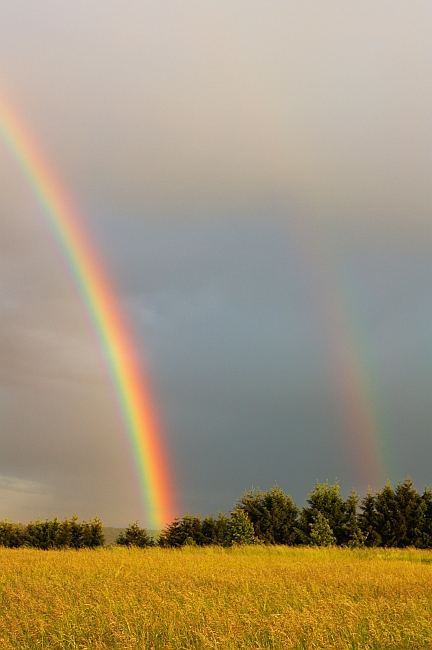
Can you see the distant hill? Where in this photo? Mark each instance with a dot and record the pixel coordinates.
(111, 534)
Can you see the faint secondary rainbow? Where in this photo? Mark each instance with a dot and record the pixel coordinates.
(360, 404)
(360, 409)
(130, 385)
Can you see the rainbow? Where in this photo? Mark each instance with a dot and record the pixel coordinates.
(130, 385)
(359, 408)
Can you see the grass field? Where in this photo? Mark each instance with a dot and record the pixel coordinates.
(250, 597)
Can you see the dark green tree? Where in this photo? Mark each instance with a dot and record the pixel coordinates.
(273, 515)
(395, 518)
(75, 532)
(11, 535)
(171, 536)
(427, 518)
(223, 530)
(42, 534)
(192, 530)
(209, 531)
(354, 536)
(325, 499)
(320, 532)
(411, 510)
(53, 534)
(92, 533)
(133, 535)
(241, 528)
(63, 534)
(368, 520)
(387, 516)
(185, 531)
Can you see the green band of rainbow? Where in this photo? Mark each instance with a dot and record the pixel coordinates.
(130, 386)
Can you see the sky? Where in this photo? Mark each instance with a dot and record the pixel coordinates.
(256, 177)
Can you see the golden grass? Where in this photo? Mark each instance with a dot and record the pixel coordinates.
(252, 598)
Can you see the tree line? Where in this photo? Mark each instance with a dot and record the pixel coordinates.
(397, 517)
(69, 533)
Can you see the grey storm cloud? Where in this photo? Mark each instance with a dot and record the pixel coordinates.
(237, 164)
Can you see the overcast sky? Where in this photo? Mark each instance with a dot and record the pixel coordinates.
(257, 178)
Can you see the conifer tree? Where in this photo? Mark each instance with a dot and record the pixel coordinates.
(192, 530)
(241, 528)
(273, 515)
(368, 520)
(11, 535)
(171, 535)
(97, 534)
(320, 532)
(354, 536)
(76, 533)
(41, 534)
(395, 518)
(223, 530)
(209, 530)
(185, 531)
(133, 535)
(410, 514)
(92, 533)
(63, 536)
(427, 518)
(325, 499)
(387, 516)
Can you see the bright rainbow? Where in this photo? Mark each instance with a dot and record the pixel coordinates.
(130, 386)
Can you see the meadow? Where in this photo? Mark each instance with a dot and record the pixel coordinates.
(246, 597)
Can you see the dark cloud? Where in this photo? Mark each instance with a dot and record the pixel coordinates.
(234, 324)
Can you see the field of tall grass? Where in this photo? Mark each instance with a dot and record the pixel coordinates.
(245, 597)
